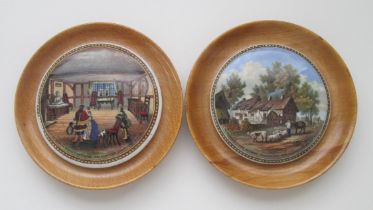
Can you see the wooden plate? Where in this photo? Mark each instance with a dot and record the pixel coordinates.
(271, 104)
(84, 76)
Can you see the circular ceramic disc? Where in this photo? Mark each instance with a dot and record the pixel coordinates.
(265, 104)
(95, 94)
(88, 93)
(270, 104)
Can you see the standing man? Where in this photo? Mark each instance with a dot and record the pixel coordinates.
(120, 98)
(125, 124)
(81, 120)
(288, 127)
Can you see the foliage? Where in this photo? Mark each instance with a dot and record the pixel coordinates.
(284, 77)
(221, 114)
(233, 88)
(307, 100)
(245, 125)
(287, 78)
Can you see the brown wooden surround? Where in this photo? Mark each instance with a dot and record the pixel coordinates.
(342, 112)
(143, 162)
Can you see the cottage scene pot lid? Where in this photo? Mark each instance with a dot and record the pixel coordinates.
(270, 104)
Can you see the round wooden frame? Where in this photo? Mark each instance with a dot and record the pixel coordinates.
(136, 167)
(343, 105)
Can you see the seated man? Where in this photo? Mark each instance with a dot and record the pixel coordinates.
(81, 120)
(57, 98)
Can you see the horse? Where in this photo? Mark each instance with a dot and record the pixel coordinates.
(299, 125)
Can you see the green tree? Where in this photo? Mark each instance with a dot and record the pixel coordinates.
(279, 76)
(307, 101)
(245, 125)
(287, 78)
(233, 88)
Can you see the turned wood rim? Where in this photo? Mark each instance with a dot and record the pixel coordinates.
(98, 178)
(343, 105)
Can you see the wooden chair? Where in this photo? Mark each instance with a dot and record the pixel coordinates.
(144, 110)
(113, 133)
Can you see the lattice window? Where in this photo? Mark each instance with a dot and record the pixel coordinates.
(104, 88)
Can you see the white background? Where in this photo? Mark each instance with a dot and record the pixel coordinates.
(185, 179)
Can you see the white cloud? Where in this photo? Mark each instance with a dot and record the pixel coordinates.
(248, 72)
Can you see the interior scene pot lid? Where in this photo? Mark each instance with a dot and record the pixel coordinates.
(98, 105)
(269, 104)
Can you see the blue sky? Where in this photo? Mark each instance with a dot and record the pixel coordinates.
(252, 64)
(268, 55)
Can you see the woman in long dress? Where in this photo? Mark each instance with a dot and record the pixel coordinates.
(92, 131)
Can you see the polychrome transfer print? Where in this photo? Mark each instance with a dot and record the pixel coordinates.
(270, 104)
(98, 105)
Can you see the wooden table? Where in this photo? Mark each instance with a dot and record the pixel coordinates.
(56, 110)
(105, 100)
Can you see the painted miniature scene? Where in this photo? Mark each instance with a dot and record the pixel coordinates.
(97, 103)
(271, 103)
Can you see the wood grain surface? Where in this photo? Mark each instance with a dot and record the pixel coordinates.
(148, 158)
(343, 105)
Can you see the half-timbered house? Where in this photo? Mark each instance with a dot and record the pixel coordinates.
(269, 112)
